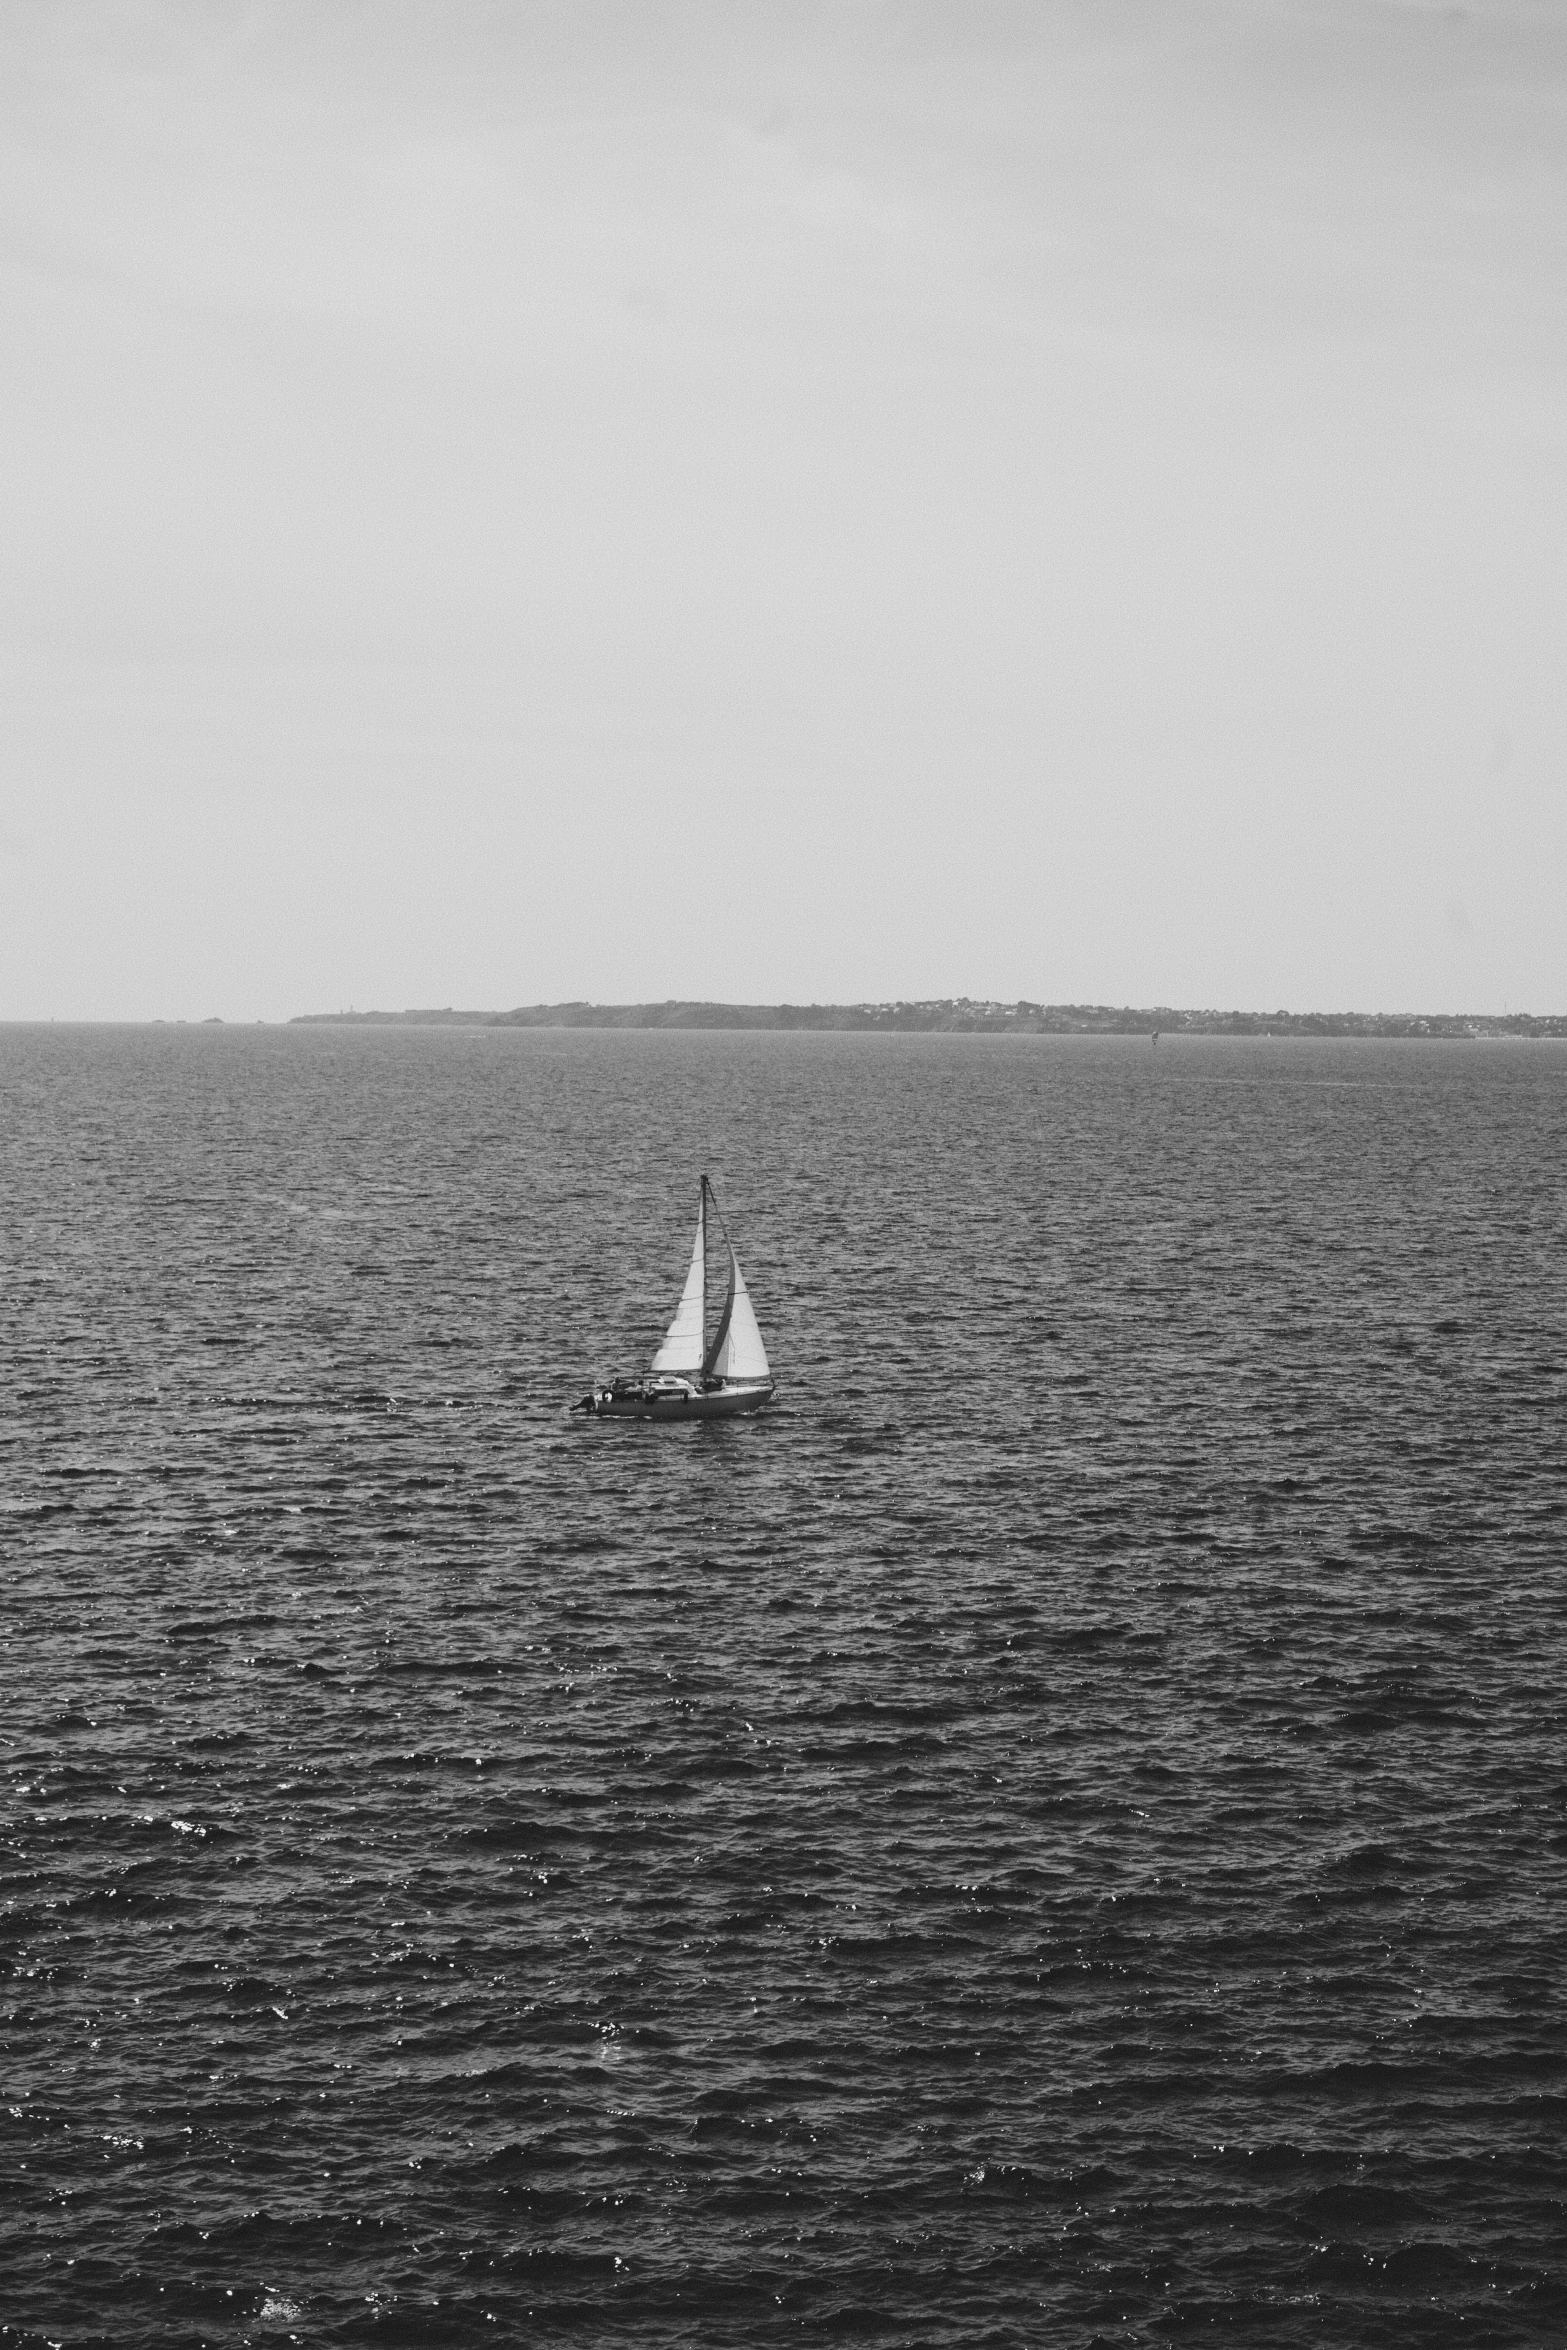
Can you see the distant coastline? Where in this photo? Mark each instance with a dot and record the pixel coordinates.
(968, 1016)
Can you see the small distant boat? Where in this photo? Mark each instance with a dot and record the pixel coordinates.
(694, 1377)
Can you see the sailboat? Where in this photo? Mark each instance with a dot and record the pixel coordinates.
(694, 1377)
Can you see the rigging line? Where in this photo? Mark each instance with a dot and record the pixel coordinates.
(719, 1213)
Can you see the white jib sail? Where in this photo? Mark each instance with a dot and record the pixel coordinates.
(682, 1348)
(742, 1355)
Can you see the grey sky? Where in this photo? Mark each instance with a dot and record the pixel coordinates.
(510, 502)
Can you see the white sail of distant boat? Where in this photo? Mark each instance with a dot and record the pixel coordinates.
(694, 1377)
(738, 1352)
(682, 1348)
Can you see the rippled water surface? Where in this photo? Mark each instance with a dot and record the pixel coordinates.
(1055, 1834)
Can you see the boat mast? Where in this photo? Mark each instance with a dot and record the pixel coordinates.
(702, 1219)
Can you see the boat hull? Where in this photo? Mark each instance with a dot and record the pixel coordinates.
(718, 1403)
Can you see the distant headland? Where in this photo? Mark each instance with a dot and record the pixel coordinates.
(970, 1016)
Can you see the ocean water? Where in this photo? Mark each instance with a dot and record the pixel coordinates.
(1055, 1834)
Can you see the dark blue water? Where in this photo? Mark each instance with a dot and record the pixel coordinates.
(1054, 1835)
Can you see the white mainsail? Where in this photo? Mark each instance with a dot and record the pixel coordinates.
(741, 1354)
(682, 1348)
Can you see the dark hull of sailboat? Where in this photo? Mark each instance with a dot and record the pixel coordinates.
(719, 1403)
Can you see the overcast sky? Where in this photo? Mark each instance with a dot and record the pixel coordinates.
(508, 502)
